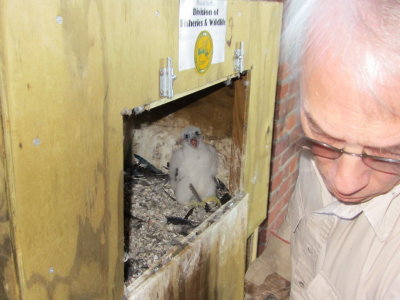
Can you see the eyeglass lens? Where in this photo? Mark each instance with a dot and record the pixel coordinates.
(330, 152)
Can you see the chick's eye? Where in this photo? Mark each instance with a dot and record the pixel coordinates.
(186, 136)
(197, 133)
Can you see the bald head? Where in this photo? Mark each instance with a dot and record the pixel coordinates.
(358, 40)
(346, 56)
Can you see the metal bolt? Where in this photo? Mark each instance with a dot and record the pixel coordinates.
(138, 110)
(36, 141)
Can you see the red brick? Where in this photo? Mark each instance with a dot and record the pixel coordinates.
(297, 132)
(279, 130)
(282, 90)
(289, 160)
(284, 160)
(264, 224)
(274, 161)
(293, 164)
(288, 173)
(277, 223)
(260, 248)
(275, 211)
(280, 146)
(291, 122)
(287, 107)
(288, 182)
(273, 194)
(262, 235)
(289, 193)
(288, 126)
(277, 109)
(281, 185)
(276, 166)
(273, 199)
(287, 155)
(274, 227)
(283, 72)
(276, 181)
(279, 203)
(291, 102)
(286, 186)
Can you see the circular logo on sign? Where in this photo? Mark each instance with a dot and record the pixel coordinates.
(203, 52)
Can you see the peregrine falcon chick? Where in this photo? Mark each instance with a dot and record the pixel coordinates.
(194, 163)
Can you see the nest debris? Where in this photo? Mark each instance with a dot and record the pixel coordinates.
(154, 221)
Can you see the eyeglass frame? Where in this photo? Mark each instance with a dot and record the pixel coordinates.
(339, 153)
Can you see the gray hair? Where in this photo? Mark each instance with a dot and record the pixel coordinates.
(361, 34)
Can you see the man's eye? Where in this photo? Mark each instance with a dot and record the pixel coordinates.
(382, 153)
(329, 141)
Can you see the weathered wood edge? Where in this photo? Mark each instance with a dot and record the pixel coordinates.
(164, 261)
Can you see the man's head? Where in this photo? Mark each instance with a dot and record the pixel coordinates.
(347, 62)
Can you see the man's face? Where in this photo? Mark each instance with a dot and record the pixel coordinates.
(334, 111)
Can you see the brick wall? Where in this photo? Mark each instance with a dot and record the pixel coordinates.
(284, 155)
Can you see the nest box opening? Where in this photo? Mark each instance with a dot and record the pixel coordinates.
(220, 112)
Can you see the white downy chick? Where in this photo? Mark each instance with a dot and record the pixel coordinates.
(194, 163)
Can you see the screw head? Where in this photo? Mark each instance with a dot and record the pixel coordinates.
(59, 20)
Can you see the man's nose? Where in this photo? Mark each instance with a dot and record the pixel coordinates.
(351, 174)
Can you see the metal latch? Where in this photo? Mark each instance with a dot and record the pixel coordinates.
(239, 58)
(167, 78)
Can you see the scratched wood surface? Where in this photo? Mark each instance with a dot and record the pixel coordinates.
(240, 107)
(9, 287)
(68, 68)
(63, 139)
(264, 52)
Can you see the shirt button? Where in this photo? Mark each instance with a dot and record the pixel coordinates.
(300, 284)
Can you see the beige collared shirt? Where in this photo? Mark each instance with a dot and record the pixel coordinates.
(342, 251)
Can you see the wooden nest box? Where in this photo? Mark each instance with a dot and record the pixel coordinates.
(71, 73)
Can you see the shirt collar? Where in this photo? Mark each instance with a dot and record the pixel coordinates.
(381, 212)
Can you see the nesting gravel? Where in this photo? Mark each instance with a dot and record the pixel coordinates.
(154, 220)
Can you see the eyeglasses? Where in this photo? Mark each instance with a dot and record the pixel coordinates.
(382, 164)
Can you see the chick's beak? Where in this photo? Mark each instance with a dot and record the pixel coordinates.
(194, 142)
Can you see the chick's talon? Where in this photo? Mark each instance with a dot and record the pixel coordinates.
(212, 199)
(197, 204)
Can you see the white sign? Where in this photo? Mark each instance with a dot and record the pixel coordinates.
(201, 16)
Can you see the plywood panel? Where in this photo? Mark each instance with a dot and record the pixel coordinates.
(209, 267)
(265, 28)
(64, 136)
(67, 70)
(147, 33)
(9, 287)
(239, 125)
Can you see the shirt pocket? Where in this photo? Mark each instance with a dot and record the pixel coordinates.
(320, 288)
